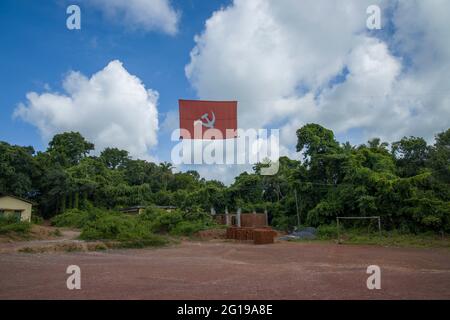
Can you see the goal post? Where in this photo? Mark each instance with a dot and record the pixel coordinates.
(356, 218)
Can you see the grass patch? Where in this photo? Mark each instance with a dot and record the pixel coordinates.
(56, 233)
(395, 239)
(66, 247)
(392, 238)
(177, 222)
(148, 229)
(29, 250)
(116, 227)
(154, 241)
(76, 218)
(35, 219)
(13, 227)
(124, 231)
(97, 246)
(188, 228)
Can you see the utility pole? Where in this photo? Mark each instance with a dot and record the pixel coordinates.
(296, 206)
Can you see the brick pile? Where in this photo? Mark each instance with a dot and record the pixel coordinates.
(263, 236)
(241, 234)
(258, 235)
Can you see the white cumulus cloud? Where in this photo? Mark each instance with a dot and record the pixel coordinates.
(278, 58)
(147, 15)
(112, 108)
(292, 62)
(267, 53)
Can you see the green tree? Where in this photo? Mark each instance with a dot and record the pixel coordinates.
(18, 170)
(411, 154)
(114, 158)
(315, 139)
(440, 156)
(69, 148)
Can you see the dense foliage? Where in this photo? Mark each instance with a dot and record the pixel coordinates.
(11, 225)
(97, 224)
(407, 184)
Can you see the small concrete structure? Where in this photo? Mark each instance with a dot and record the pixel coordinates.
(166, 208)
(12, 206)
(245, 220)
(140, 209)
(238, 217)
(247, 226)
(133, 210)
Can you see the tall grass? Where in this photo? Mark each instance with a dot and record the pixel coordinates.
(148, 229)
(11, 225)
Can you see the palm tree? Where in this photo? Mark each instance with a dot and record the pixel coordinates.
(166, 173)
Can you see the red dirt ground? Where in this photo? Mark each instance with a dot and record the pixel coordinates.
(222, 270)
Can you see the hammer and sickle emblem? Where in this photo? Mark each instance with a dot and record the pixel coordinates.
(209, 122)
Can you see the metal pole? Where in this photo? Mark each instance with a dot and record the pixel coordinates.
(338, 233)
(238, 217)
(296, 206)
(379, 226)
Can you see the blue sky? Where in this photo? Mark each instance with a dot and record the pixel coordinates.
(286, 62)
(38, 50)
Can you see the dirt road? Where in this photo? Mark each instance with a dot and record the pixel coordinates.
(220, 270)
(42, 237)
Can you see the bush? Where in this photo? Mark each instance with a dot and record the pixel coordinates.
(115, 227)
(327, 232)
(196, 214)
(167, 221)
(152, 240)
(151, 213)
(71, 218)
(13, 225)
(283, 222)
(133, 231)
(78, 218)
(97, 224)
(176, 222)
(188, 228)
(35, 219)
(161, 220)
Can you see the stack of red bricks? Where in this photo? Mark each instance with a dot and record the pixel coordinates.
(257, 235)
(263, 236)
(241, 234)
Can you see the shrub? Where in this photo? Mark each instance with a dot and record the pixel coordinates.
(13, 225)
(57, 233)
(133, 231)
(97, 224)
(196, 214)
(167, 221)
(152, 213)
(327, 231)
(71, 218)
(117, 227)
(188, 228)
(78, 218)
(176, 222)
(283, 222)
(161, 220)
(151, 240)
(36, 219)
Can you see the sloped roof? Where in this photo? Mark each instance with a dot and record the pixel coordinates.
(2, 195)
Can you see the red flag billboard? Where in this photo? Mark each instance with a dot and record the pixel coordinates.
(218, 115)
